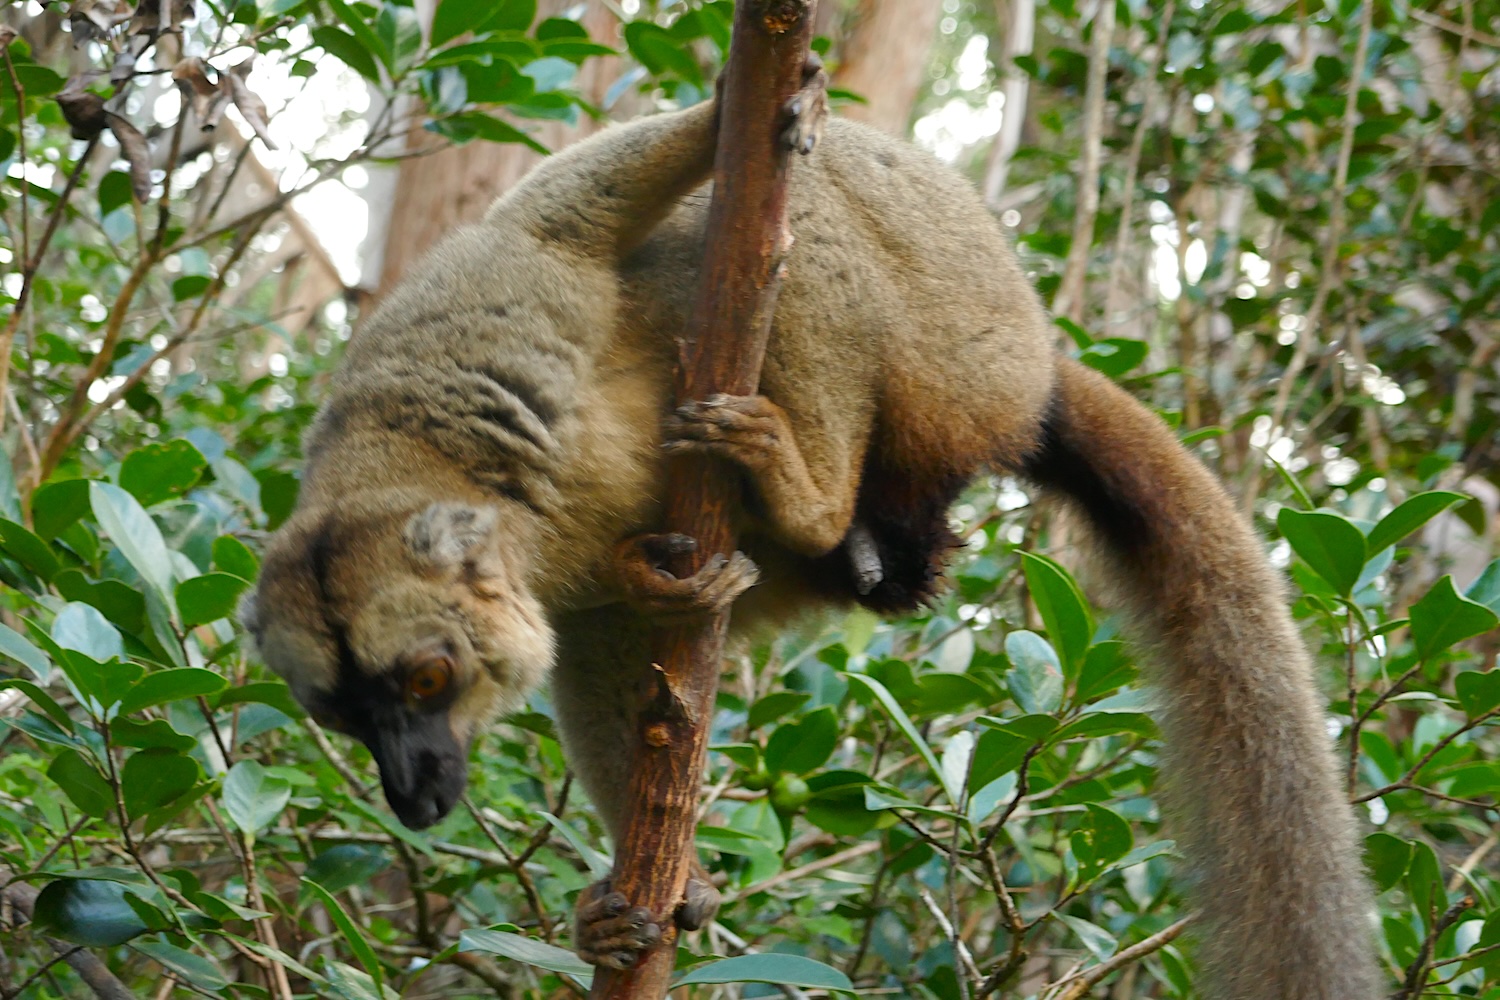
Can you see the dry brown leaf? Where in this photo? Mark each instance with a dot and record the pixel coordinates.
(137, 153)
(252, 108)
(83, 110)
(93, 20)
(147, 17)
(207, 98)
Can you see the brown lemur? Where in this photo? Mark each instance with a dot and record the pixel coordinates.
(496, 428)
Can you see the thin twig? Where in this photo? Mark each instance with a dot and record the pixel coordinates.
(1078, 985)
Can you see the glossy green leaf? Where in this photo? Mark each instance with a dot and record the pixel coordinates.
(1100, 840)
(27, 549)
(82, 627)
(162, 686)
(805, 744)
(87, 912)
(345, 865)
(1096, 939)
(1443, 617)
(162, 470)
(358, 943)
(1410, 516)
(1386, 859)
(1424, 880)
(122, 604)
(134, 533)
(1478, 693)
(232, 556)
(186, 965)
(903, 722)
(1486, 589)
(252, 797)
(82, 782)
(528, 950)
(41, 699)
(1035, 678)
(770, 967)
(345, 47)
(1330, 544)
(1066, 614)
(57, 504)
(208, 598)
(17, 647)
(153, 778)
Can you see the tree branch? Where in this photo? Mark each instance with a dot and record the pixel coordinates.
(722, 352)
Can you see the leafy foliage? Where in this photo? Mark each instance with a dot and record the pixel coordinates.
(960, 803)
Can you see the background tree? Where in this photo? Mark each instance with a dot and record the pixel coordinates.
(1292, 248)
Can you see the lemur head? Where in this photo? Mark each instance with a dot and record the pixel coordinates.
(404, 628)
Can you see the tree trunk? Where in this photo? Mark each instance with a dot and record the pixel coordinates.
(437, 192)
(883, 59)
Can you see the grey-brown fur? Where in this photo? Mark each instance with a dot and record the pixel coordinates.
(523, 372)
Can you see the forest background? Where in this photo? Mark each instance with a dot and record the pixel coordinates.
(1277, 223)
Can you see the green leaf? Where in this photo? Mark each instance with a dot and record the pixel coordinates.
(1443, 617)
(232, 556)
(478, 125)
(1478, 693)
(803, 745)
(252, 797)
(208, 598)
(1102, 839)
(41, 699)
(134, 534)
(82, 627)
(903, 722)
(120, 603)
(14, 645)
(528, 950)
(1410, 516)
(454, 17)
(345, 47)
(27, 549)
(344, 865)
(773, 706)
(1114, 356)
(162, 470)
(1063, 609)
(769, 967)
(363, 33)
(1486, 589)
(1331, 545)
(1035, 678)
(83, 783)
(273, 693)
(87, 912)
(1386, 858)
(153, 778)
(163, 686)
(186, 965)
(358, 943)
(1097, 940)
(1424, 880)
(510, 15)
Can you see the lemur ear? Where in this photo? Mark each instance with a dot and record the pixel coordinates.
(449, 534)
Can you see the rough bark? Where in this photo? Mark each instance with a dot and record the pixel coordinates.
(721, 352)
(884, 57)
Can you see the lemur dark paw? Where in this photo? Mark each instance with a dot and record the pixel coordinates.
(608, 931)
(700, 903)
(656, 593)
(807, 109)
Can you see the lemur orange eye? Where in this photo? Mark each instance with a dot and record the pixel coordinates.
(429, 680)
